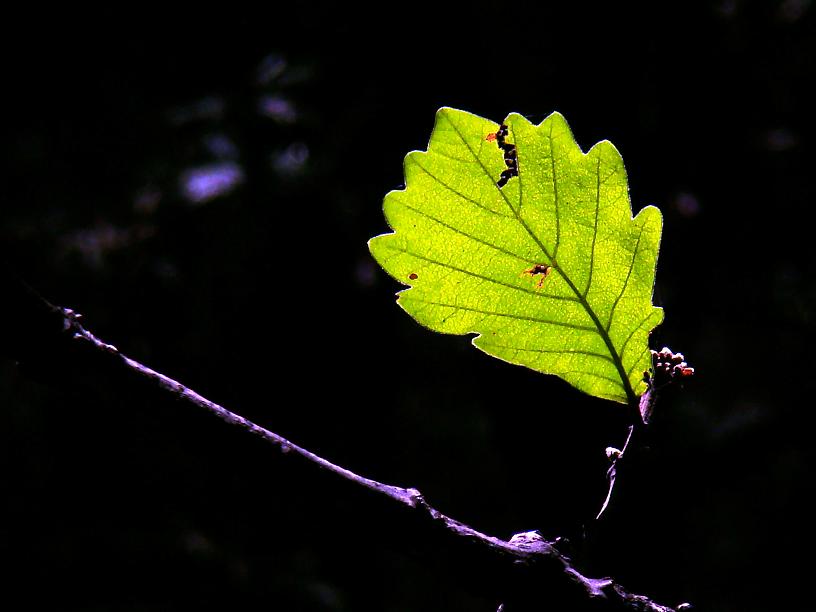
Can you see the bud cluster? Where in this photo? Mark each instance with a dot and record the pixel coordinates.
(668, 366)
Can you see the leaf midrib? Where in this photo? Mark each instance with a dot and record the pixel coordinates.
(627, 387)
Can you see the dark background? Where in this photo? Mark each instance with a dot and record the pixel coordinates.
(266, 300)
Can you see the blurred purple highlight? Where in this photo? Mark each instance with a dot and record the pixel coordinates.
(727, 8)
(292, 159)
(221, 146)
(147, 201)
(277, 108)
(791, 11)
(270, 68)
(780, 139)
(205, 183)
(687, 204)
(95, 243)
(365, 273)
(210, 107)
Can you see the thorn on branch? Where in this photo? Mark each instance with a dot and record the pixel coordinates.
(530, 540)
(415, 498)
(70, 318)
(71, 322)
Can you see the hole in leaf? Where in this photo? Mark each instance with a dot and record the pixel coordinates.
(542, 269)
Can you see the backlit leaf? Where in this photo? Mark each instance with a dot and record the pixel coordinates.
(540, 258)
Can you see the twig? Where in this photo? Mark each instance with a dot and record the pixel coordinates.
(616, 456)
(668, 367)
(526, 549)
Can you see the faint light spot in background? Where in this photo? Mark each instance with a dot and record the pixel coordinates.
(165, 269)
(365, 273)
(210, 107)
(326, 595)
(780, 139)
(271, 67)
(793, 10)
(292, 159)
(686, 204)
(727, 8)
(220, 146)
(198, 544)
(94, 243)
(277, 108)
(739, 416)
(146, 201)
(205, 183)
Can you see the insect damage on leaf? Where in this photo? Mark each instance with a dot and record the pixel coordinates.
(542, 269)
(510, 154)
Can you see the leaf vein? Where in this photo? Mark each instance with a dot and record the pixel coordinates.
(556, 351)
(634, 331)
(563, 298)
(555, 194)
(456, 191)
(595, 226)
(421, 213)
(625, 282)
(509, 315)
(614, 381)
(634, 365)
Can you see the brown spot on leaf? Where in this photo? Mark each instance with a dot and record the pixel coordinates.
(542, 269)
(413, 276)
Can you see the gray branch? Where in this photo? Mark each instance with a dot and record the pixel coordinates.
(539, 561)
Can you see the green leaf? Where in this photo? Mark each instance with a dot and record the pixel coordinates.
(550, 270)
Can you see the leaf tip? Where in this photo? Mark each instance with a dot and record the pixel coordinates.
(605, 149)
(650, 214)
(557, 120)
(446, 112)
(373, 245)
